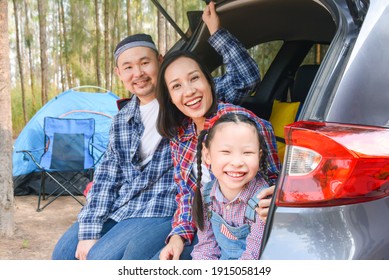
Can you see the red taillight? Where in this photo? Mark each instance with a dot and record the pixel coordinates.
(334, 164)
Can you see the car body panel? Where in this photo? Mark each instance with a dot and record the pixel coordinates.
(357, 231)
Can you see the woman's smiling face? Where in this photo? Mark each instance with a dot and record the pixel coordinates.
(189, 89)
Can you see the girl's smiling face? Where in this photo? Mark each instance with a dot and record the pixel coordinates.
(189, 89)
(234, 154)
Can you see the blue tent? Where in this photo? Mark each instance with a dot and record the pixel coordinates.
(76, 103)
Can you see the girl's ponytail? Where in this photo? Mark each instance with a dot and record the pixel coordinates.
(197, 208)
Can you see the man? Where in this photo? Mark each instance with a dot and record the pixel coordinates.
(130, 206)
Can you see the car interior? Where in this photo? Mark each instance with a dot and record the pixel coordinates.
(300, 26)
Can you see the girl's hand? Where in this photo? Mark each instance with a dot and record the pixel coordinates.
(265, 197)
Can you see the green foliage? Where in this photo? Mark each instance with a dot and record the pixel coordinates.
(264, 54)
(17, 113)
(80, 47)
(16, 104)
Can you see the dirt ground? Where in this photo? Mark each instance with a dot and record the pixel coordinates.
(36, 233)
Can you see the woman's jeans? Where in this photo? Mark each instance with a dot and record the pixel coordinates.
(130, 239)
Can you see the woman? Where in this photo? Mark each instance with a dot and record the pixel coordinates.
(188, 104)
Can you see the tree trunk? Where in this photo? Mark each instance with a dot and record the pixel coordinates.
(7, 225)
(317, 54)
(61, 52)
(177, 19)
(171, 33)
(98, 32)
(20, 62)
(106, 42)
(162, 31)
(115, 37)
(128, 2)
(43, 48)
(65, 46)
(28, 41)
(136, 11)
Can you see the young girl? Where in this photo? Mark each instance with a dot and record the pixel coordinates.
(224, 209)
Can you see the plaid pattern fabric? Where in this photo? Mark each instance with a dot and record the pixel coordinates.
(233, 212)
(119, 179)
(242, 73)
(122, 188)
(184, 154)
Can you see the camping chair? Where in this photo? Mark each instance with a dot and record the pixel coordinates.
(67, 156)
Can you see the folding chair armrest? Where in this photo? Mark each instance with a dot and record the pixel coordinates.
(29, 153)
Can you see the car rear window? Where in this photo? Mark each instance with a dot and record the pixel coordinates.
(263, 54)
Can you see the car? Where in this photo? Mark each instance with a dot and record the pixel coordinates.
(332, 197)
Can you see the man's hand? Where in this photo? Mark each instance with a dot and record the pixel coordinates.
(83, 248)
(265, 197)
(211, 18)
(173, 249)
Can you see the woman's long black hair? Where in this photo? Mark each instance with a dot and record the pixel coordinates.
(170, 118)
(206, 138)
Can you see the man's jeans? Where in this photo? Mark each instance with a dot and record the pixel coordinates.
(130, 239)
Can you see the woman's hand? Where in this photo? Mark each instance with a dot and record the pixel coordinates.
(173, 249)
(211, 18)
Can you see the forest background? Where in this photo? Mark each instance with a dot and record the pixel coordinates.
(47, 47)
(61, 44)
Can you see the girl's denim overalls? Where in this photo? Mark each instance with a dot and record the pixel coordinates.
(231, 247)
